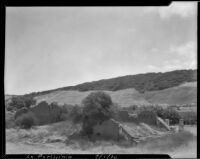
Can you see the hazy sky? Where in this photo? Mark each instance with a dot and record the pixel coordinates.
(51, 47)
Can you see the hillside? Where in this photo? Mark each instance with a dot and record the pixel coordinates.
(124, 97)
(183, 94)
(141, 82)
(175, 87)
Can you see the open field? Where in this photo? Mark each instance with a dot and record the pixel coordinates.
(124, 97)
(183, 94)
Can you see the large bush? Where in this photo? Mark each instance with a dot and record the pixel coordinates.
(26, 120)
(96, 108)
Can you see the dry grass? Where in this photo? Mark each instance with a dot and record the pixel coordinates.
(53, 139)
(170, 142)
(186, 93)
(183, 94)
(124, 97)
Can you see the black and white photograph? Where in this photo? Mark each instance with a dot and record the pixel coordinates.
(101, 79)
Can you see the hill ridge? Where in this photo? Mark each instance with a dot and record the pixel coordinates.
(141, 82)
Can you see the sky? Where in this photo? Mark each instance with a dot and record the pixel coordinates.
(52, 47)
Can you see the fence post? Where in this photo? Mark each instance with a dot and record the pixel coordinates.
(181, 124)
(167, 121)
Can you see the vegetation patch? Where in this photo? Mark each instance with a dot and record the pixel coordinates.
(26, 120)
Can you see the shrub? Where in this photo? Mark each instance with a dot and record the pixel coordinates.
(17, 102)
(172, 115)
(147, 116)
(28, 101)
(160, 111)
(10, 121)
(189, 117)
(20, 112)
(26, 120)
(22, 101)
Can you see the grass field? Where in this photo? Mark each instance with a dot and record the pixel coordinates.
(124, 97)
(183, 94)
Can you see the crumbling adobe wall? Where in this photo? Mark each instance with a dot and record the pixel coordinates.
(108, 129)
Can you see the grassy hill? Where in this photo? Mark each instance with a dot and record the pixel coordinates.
(124, 97)
(141, 82)
(175, 87)
(164, 88)
(183, 94)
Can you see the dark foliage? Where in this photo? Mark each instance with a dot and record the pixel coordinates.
(22, 101)
(189, 117)
(141, 82)
(96, 109)
(165, 113)
(26, 120)
(21, 111)
(76, 114)
(172, 115)
(147, 116)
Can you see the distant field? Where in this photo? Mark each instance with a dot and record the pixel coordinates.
(183, 94)
(124, 97)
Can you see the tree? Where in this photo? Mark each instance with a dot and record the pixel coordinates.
(29, 101)
(17, 102)
(96, 109)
